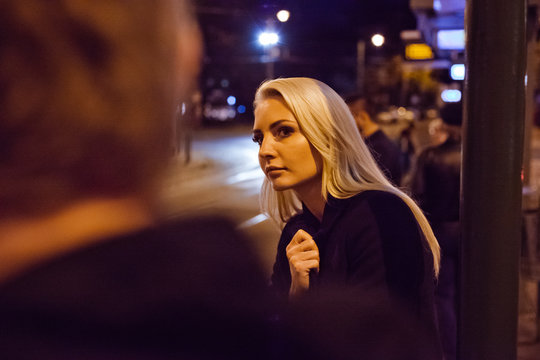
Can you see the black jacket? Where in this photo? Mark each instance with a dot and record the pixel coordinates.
(387, 154)
(370, 242)
(183, 290)
(436, 181)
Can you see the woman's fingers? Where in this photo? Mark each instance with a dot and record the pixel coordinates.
(305, 265)
(305, 246)
(303, 256)
(300, 237)
(301, 241)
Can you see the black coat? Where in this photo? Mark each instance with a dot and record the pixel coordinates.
(370, 242)
(435, 183)
(184, 290)
(387, 155)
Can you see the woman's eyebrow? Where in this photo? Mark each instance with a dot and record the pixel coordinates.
(279, 122)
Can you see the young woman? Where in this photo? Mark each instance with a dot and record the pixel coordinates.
(346, 225)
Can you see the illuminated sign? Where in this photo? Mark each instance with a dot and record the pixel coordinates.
(451, 39)
(418, 52)
(451, 95)
(457, 72)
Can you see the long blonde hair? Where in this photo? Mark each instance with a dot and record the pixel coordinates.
(348, 167)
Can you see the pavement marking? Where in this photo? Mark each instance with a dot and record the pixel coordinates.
(253, 221)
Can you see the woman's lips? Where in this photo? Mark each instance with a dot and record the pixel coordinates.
(274, 171)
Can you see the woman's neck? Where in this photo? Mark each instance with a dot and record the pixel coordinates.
(311, 196)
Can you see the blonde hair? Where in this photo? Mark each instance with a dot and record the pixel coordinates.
(348, 167)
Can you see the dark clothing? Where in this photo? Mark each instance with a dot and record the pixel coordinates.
(370, 242)
(436, 180)
(436, 186)
(185, 290)
(387, 154)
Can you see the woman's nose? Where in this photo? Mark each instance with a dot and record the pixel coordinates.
(267, 148)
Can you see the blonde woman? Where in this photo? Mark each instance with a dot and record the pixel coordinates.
(344, 223)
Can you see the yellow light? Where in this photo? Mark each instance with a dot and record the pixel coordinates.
(377, 40)
(283, 15)
(418, 52)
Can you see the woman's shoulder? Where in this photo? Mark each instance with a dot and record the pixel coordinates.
(386, 208)
(380, 200)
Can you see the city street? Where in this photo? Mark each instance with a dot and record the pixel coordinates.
(223, 178)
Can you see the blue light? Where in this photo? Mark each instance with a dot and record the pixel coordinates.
(451, 95)
(231, 100)
(241, 109)
(451, 39)
(268, 38)
(457, 72)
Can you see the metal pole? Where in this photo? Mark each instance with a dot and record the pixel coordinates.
(360, 65)
(491, 184)
(532, 72)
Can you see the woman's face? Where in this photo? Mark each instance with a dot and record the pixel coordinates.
(287, 158)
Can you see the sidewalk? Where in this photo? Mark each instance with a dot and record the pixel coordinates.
(528, 324)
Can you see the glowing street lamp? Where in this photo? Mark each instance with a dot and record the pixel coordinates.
(268, 38)
(283, 15)
(377, 40)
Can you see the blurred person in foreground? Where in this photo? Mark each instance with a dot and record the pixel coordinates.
(435, 184)
(347, 229)
(385, 151)
(87, 269)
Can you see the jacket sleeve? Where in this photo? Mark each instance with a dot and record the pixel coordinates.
(387, 250)
(280, 281)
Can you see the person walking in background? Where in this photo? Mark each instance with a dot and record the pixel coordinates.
(385, 151)
(435, 184)
(87, 268)
(346, 225)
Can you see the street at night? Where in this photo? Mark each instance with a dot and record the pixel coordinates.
(223, 178)
(270, 179)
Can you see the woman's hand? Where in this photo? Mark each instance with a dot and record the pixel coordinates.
(303, 255)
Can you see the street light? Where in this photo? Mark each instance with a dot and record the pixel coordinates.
(268, 38)
(377, 40)
(283, 15)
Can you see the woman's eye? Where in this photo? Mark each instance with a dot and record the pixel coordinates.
(285, 131)
(257, 139)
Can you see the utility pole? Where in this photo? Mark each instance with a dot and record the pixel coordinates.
(491, 182)
(360, 65)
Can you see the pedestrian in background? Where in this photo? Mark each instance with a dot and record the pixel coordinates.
(385, 151)
(346, 225)
(435, 184)
(87, 268)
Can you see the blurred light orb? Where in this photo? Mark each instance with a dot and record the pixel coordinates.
(268, 38)
(231, 100)
(377, 40)
(402, 111)
(451, 95)
(457, 71)
(283, 15)
(241, 109)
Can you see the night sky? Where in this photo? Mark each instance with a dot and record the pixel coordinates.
(319, 39)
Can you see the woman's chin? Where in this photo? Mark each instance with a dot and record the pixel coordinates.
(279, 187)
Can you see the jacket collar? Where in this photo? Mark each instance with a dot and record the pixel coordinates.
(332, 210)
